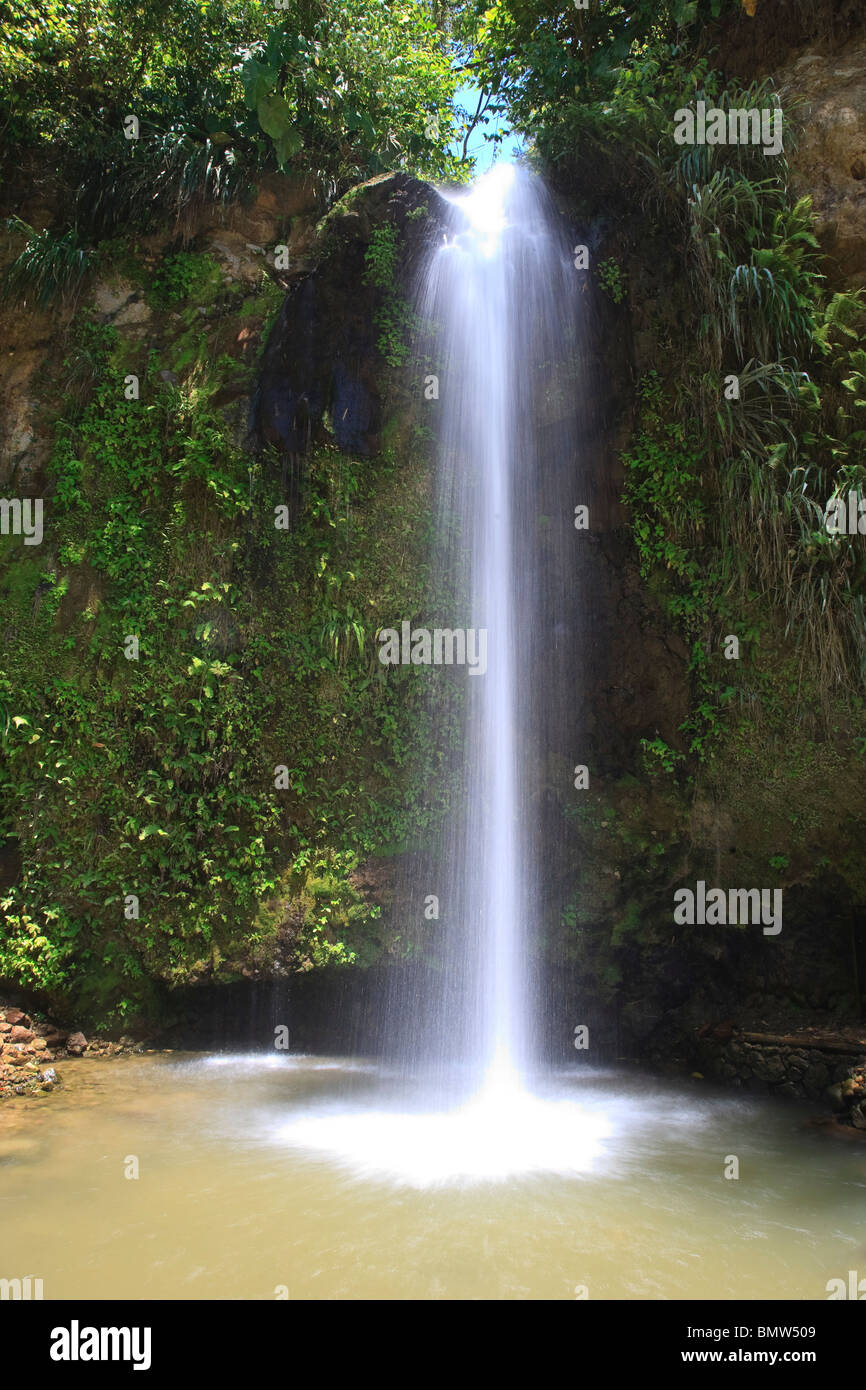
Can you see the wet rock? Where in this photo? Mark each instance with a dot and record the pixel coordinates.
(76, 1044)
(815, 1079)
(121, 304)
(322, 357)
(238, 257)
(24, 1052)
(769, 1067)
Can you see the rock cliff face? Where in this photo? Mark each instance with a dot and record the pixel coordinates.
(828, 92)
(31, 373)
(780, 801)
(321, 357)
(815, 56)
(188, 316)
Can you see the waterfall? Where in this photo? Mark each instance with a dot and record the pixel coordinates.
(500, 348)
(499, 292)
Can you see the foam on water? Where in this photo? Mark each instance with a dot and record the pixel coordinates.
(499, 1134)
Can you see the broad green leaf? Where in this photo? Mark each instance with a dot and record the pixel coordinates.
(152, 830)
(275, 116)
(287, 146)
(258, 80)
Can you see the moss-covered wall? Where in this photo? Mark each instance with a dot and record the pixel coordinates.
(203, 760)
(744, 772)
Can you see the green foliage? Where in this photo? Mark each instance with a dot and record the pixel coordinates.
(791, 437)
(613, 280)
(222, 91)
(156, 776)
(354, 88)
(382, 256)
(753, 264)
(51, 266)
(337, 924)
(664, 490)
(180, 277)
(544, 59)
(659, 757)
(395, 318)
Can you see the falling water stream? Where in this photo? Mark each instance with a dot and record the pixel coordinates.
(469, 290)
(467, 1171)
(500, 294)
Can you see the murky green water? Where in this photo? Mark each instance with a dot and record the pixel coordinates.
(322, 1179)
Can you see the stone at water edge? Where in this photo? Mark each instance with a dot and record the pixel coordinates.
(76, 1043)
